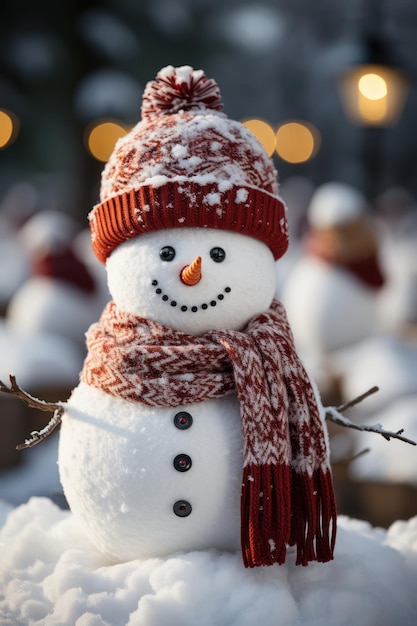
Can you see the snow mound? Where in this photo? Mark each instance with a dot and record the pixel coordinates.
(50, 575)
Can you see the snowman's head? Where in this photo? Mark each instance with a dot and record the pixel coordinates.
(188, 187)
(193, 279)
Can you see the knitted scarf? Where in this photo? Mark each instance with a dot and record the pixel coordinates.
(287, 493)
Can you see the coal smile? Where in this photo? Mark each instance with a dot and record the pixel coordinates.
(194, 308)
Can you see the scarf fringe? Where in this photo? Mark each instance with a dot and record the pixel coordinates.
(306, 516)
(314, 517)
(265, 525)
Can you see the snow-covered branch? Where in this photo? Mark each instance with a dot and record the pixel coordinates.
(36, 436)
(334, 414)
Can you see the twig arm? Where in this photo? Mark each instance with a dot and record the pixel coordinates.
(334, 414)
(31, 401)
(348, 405)
(36, 436)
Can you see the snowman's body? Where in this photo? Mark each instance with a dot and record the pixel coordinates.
(149, 481)
(128, 469)
(328, 308)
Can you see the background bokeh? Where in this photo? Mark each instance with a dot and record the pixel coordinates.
(68, 66)
(65, 66)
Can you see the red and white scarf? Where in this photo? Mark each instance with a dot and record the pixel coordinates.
(287, 491)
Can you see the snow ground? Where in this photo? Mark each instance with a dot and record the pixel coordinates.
(50, 575)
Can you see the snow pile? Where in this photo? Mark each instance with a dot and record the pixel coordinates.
(50, 575)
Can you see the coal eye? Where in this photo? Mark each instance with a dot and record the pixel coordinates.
(218, 254)
(167, 253)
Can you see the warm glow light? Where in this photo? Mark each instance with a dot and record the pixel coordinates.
(372, 111)
(374, 94)
(297, 142)
(372, 86)
(8, 128)
(264, 134)
(101, 137)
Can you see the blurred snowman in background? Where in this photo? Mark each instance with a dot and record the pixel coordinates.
(332, 291)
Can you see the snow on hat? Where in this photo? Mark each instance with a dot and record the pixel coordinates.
(333, 204)
(186, 164)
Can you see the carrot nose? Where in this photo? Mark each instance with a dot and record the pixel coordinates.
(191, 274)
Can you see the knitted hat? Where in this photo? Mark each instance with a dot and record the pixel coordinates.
(186, 164)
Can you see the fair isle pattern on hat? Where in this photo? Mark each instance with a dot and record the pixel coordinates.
(287, 492)
(186, 164)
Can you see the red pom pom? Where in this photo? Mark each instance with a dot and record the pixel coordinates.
(180, 89)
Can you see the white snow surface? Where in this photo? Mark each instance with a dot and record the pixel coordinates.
(50, 575)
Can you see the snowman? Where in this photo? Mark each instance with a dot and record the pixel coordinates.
(332, 291)
(61, 296)
(194, 425)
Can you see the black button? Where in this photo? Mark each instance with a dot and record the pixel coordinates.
(182, 508)
(183, 420)
(182, 462)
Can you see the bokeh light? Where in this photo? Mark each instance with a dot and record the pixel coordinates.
(372, 97)
(263, 132)
(374, 94)
(297, 142)
(372, 86)
(9, 128)
(372, 111)
(101, 136)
